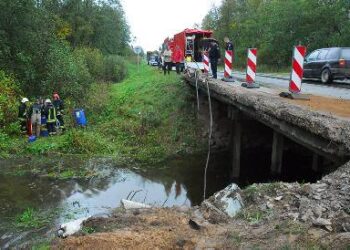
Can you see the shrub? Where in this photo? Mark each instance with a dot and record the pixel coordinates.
(114, 68)
(66, 73)
(93, 59)
(9, 97)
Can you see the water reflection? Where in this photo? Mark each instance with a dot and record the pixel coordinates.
(94, 200)
(176, 182)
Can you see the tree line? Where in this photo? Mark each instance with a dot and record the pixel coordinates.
(58, 45)
(275, 26)
(48, 44)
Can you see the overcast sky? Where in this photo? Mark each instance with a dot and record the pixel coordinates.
(151, 21)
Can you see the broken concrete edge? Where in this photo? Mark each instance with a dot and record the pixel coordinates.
(227, 202)
(333, 129)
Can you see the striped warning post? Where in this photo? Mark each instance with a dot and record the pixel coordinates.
(298, 69)
(206, 62)
(228, 63)
(251, 65)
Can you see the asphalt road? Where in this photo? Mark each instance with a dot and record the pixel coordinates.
(339, 89)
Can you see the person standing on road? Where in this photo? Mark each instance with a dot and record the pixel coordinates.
(178, 58)
(214, 55)
(229, 44)
(167, 60)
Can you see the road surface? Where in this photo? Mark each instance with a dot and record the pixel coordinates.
(340, 90)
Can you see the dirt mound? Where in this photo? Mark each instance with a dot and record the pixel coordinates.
(137, 229)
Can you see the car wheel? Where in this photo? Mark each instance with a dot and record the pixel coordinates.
(326, 76)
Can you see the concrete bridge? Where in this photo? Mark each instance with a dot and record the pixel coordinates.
(326, 137)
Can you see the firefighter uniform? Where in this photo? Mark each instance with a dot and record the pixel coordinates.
(59, 106)
(50, 113)
(23, 115)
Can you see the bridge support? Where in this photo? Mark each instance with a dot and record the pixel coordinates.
(277, 153)
(236, 138)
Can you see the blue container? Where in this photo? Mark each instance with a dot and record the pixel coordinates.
(32, 138)
(80, 118)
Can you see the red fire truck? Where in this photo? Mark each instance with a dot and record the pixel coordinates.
(191, 43)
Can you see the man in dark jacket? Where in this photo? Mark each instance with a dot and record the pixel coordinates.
(23, 115)
(214, 55)
(59, 105)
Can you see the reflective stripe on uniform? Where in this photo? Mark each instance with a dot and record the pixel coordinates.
(50, 118)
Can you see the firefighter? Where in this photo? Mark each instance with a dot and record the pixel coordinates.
(178, 58)
(59, 105)
(35, 116)
(23, 115)
(50, 113)
(214, 55)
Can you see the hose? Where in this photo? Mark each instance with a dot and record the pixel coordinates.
(196, 76)
(210, 127)
(209, 140)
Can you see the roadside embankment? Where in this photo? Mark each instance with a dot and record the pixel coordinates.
(144, 119)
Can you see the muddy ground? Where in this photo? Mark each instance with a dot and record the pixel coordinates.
(275, 216)
(331, 106)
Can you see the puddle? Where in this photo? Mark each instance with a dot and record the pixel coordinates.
(179, 182)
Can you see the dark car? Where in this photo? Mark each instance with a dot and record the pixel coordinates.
(328, 64)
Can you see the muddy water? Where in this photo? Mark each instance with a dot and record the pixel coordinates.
(65, 189)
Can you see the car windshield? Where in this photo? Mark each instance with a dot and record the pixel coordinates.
(345, 54)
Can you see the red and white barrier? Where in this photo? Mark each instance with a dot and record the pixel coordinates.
(206, 62)
(298, 69)
(228, 63)
(251, 65)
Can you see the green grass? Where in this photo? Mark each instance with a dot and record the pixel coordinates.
(252, 216)
(88, 230)
(30, 218)
(145, 119)
(41, 246)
